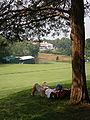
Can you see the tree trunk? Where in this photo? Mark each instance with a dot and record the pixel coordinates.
(79, 91)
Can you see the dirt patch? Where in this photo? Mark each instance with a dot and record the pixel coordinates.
(53, 57)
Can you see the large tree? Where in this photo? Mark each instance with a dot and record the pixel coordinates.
(41, 16)
(79, 88)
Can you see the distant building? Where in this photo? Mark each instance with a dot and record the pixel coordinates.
(45, 46)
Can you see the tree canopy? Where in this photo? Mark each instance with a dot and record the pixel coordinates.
(35, 17)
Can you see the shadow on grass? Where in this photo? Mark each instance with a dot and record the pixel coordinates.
(22, 106)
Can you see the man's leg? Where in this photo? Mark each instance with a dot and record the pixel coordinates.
(33, 90)
(45, 85)
(38, 88)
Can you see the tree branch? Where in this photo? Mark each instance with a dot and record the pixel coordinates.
(37, 20)
(54, 8)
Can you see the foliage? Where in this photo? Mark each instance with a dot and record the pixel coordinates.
(87, 47)
(19, 19)
(63, 46)
(33, 17)
(46, 51)
(23, 49)
(3, 46)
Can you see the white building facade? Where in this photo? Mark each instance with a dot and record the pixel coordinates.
(46, 46)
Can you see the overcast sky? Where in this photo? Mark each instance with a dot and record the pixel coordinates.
(87, 31)
(87, 27)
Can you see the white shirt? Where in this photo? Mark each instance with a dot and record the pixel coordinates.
(48, 92)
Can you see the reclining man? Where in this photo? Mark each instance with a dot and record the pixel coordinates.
(47, 92)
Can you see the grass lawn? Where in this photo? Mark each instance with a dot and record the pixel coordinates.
(14, 78)
(15, 85)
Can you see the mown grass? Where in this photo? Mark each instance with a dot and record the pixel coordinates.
(21, 106)
(14, 78)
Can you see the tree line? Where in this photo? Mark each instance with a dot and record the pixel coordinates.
(63, 46)
(19, 48)
(24, 48)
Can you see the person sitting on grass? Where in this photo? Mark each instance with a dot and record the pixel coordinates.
(47, 92)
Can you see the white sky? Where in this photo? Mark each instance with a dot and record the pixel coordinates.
(87, 31)
(87, 27)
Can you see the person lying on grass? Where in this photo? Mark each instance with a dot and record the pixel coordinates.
(47, 92)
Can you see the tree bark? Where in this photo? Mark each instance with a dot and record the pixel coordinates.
(79, 91)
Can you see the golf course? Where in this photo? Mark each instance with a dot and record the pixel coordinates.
(17, 77)
(16, 81)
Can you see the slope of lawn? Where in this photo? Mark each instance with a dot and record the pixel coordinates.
(18, 80)
(16, 77)
(21, 106)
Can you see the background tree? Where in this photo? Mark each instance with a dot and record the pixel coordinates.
(3, 45)
(87, 47)
(23, 49)
(42, 16)
(63, 46)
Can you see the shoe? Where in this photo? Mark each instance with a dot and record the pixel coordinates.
(31, 94)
